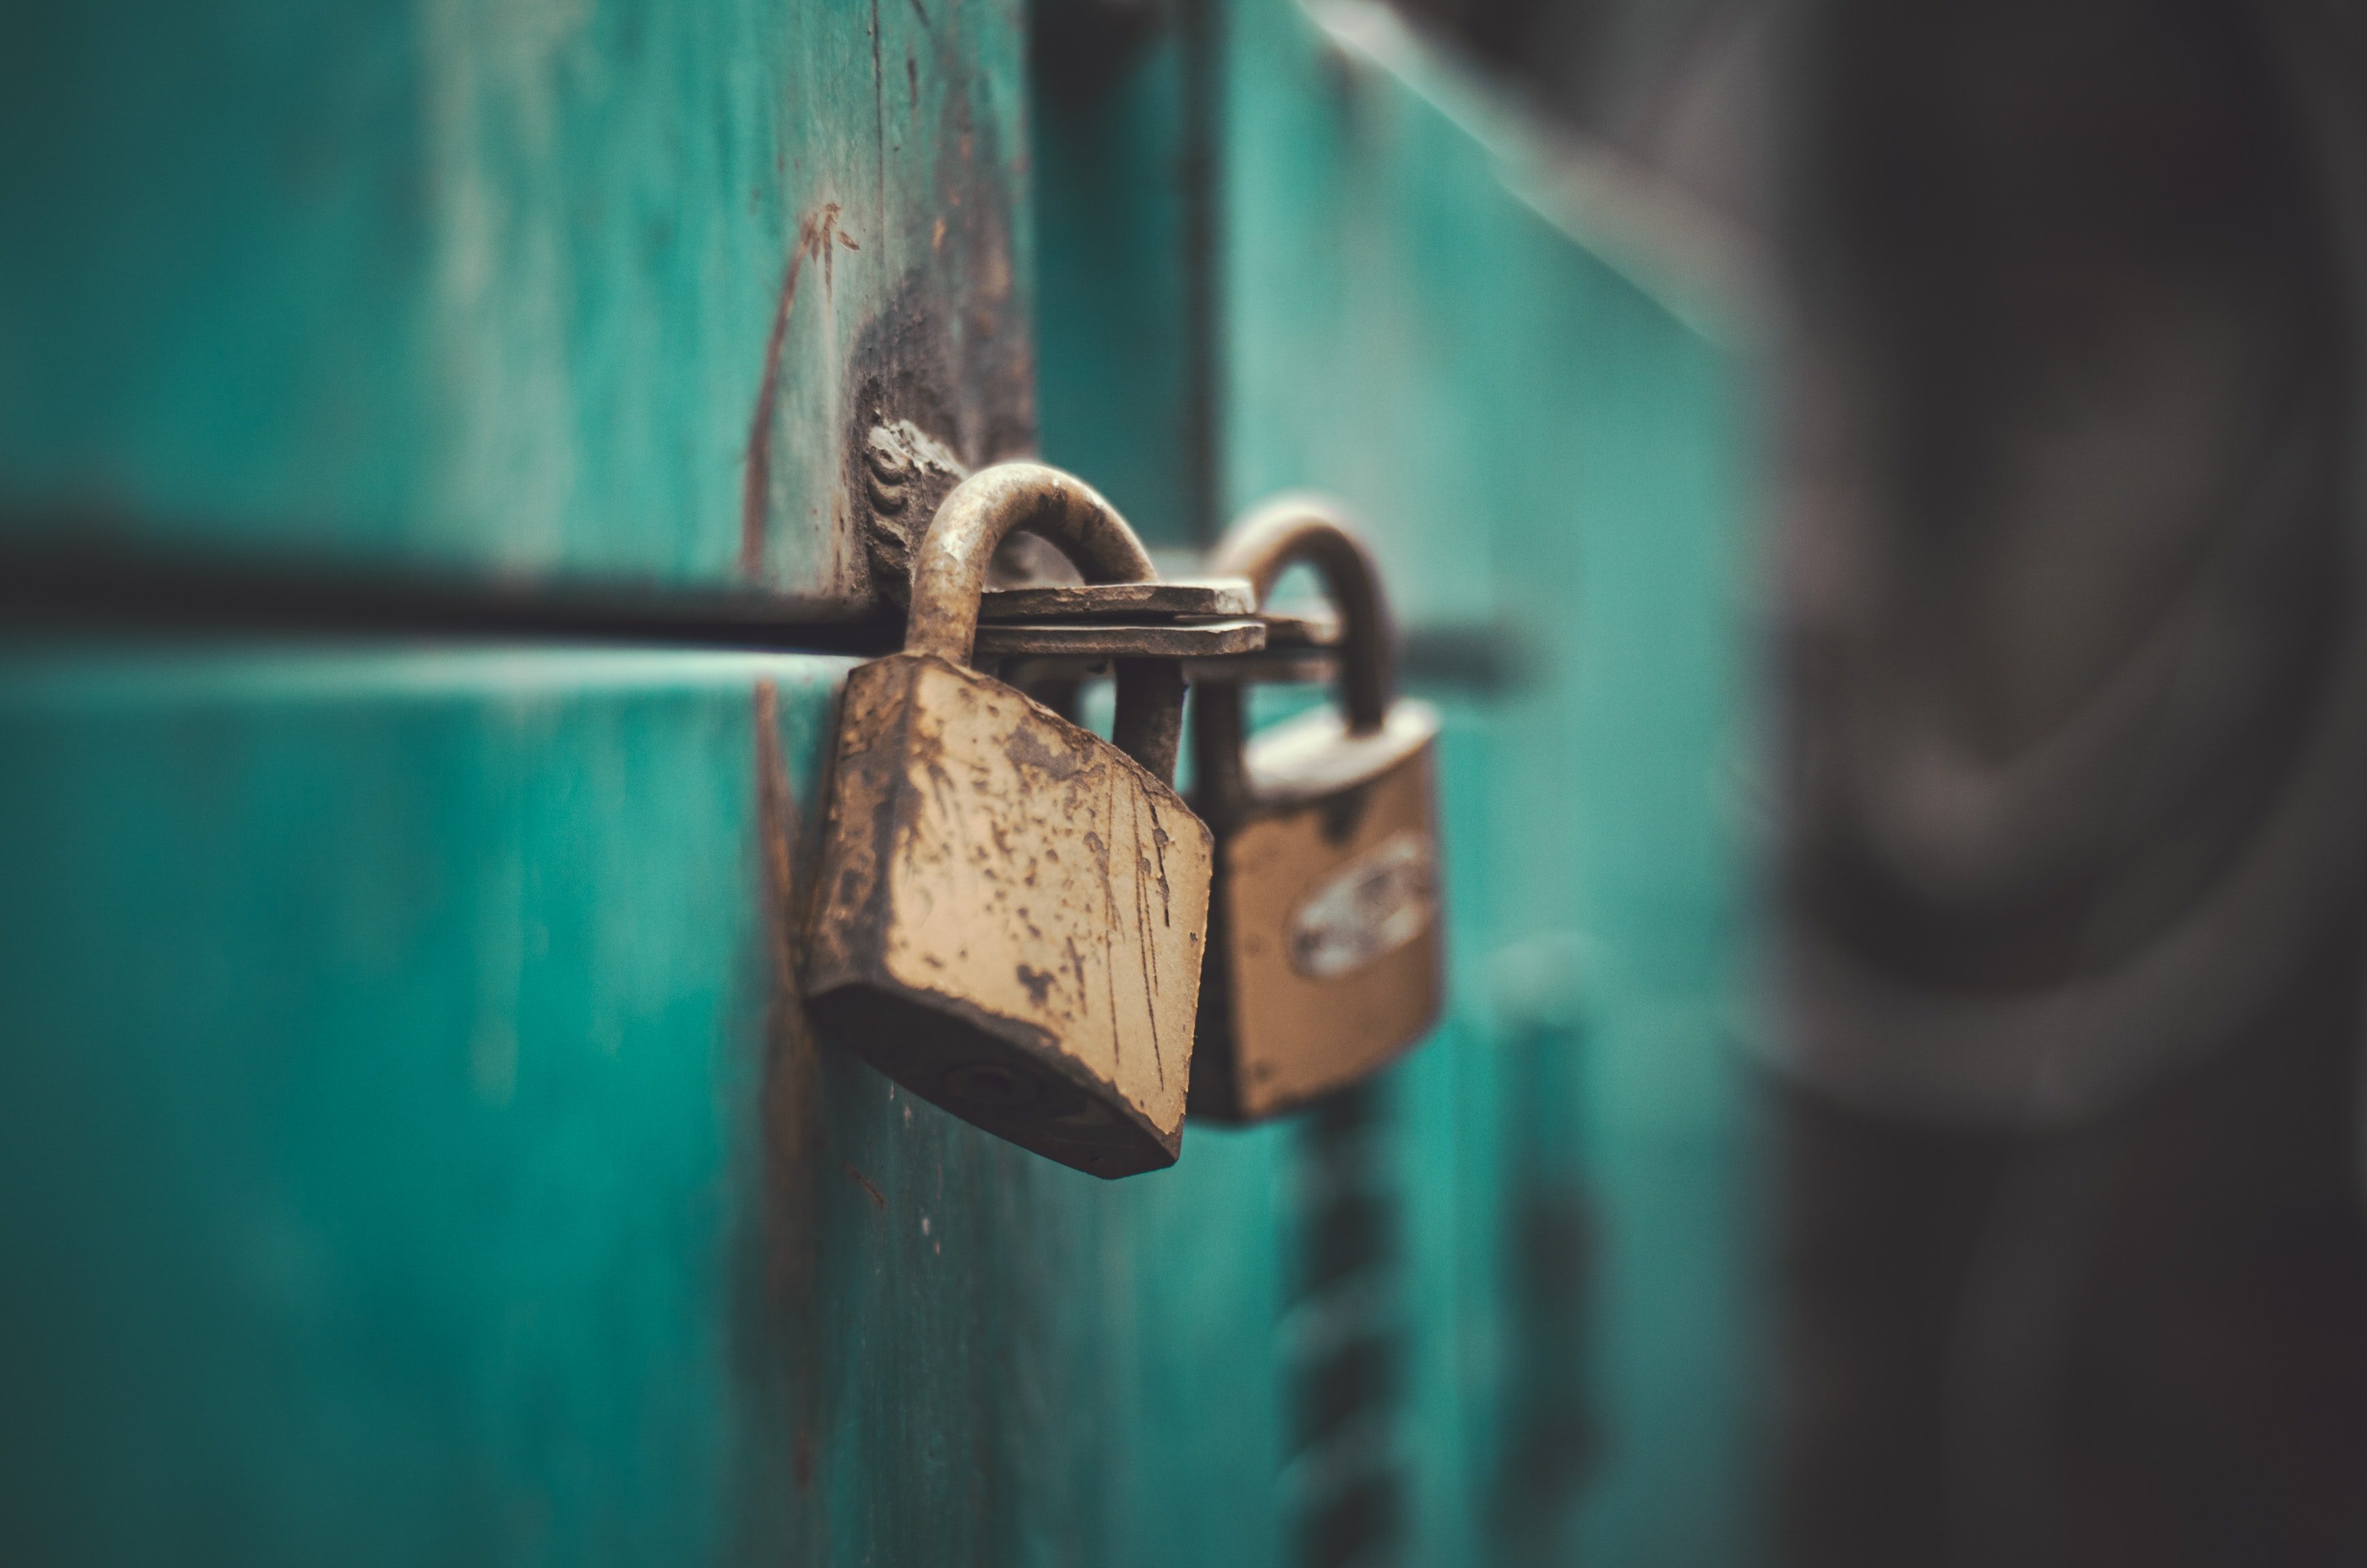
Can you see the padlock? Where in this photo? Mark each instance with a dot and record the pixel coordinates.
(1325, 943)
(1010, 912)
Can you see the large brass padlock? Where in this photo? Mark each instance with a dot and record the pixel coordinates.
(1011, 912)
(1325, 947)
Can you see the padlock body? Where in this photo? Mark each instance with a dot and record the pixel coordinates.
(1326, 949)
(1010, 917)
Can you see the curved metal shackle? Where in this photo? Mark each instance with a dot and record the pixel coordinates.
(949, 567)
(949, 578)
(1304, 527)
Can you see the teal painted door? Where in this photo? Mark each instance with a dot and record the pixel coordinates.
(411, 1145)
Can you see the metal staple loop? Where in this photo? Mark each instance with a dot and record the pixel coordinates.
(1303, 527)
(950, 568)
(949, 579)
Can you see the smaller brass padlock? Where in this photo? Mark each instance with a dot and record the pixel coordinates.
(1011, 912)
(1325, 949)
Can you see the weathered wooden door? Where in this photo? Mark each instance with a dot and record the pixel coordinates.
(435, 519)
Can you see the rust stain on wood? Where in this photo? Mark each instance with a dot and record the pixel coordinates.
(793, 1133)
(756, 478)
(865, 1184)
(792, 1127)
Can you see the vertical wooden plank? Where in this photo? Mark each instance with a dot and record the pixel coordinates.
(1178, 1449)
(1519, 398)
(1545, 453)
(1126, 133)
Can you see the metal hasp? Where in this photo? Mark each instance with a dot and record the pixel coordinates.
(1012, 911)
(1093, 641)
(1203, 598)
(1048, 637)
(1325, 949)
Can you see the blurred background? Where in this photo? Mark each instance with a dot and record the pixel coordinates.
(2061, 566)
(1871, 490)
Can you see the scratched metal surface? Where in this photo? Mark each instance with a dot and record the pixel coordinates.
(536, 288)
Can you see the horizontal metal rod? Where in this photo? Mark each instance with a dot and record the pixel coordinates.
(71, 585)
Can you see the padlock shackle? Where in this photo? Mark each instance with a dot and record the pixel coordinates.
(949, 579)
(949, 566)
(1303, 527)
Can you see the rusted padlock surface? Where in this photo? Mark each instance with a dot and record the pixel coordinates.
(1011, 912)
(1326, 952)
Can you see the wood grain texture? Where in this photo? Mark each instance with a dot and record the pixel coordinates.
(514, 288)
